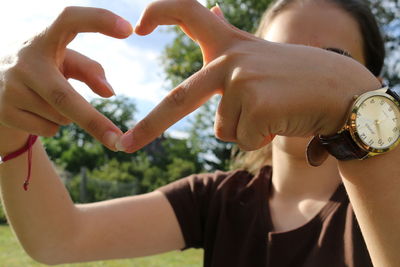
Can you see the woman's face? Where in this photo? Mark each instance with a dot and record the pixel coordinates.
(319, 24)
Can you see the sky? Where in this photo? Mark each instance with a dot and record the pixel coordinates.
(132, 65)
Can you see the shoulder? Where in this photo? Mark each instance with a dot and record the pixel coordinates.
(228, 185)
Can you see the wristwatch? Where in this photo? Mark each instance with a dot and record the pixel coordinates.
(372, 128)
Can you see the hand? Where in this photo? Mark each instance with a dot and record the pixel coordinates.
(35, 96)
(267, 88)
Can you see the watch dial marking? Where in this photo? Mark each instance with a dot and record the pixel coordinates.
(377, 122)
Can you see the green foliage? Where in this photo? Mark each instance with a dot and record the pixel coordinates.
(3, 218)
(110, 174)
(387, 13)
(73, 148)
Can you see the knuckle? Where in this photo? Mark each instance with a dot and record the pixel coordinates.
(240, 78)
(59, 97)
(102, 13)
(63, 120)
(93, 126)
(67, 12)
(245, 142)
(176, 97)
(97, 67)
(223, 134)
(145, 126)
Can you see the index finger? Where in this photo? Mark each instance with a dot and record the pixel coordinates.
(56, 90)
(181, 101)
(74, 20)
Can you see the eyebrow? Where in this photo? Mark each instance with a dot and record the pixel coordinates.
(339, 51)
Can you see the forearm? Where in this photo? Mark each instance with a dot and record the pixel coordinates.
(373, 186)
(44, 217)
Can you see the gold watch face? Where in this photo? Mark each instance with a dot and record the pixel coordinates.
(376, 122)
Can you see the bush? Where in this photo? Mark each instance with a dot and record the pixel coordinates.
(3, 218)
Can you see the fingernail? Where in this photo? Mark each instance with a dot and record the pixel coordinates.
(124, 142)
(108, 85)
(111, 139)
(123, 27)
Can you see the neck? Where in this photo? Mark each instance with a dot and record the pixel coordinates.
(294, 179)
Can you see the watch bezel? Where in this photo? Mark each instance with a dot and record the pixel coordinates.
(352, 128)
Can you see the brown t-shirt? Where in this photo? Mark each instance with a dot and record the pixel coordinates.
(227, 214)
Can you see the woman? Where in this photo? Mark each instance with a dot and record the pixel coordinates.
(299, 218)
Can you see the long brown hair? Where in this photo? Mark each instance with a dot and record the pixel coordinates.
(374, 54)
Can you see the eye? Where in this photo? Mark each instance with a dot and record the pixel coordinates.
(339, 51)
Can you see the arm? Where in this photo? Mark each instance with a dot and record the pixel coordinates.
(373, 187)
(50, 227)
(53, 230)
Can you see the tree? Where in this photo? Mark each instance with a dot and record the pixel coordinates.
(115, 174)
(387, 13)
(73, 148)
(182, 58)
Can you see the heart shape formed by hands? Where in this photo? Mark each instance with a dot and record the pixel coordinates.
(267, 88)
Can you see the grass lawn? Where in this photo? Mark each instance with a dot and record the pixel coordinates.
(12, 255)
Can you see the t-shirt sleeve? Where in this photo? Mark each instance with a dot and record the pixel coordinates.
(190, 199)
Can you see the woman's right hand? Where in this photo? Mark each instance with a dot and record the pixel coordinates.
(35, 96)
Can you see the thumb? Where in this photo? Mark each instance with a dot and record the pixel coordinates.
(213, 35)
(218, 11)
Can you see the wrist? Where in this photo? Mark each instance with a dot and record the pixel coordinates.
(11, 140)
(341, 108)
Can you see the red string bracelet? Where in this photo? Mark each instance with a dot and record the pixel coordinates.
(28, 147)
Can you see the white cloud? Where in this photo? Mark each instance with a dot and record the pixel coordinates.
(20, 19)
(131, 70)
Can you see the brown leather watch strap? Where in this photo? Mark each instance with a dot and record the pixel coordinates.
(341, 146)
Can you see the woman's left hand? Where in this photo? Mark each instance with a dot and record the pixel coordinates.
(267, 88)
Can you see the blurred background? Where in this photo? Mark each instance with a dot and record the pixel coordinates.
(142, 70)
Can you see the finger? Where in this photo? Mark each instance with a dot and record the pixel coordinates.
(74, 20)
(60, 94)
(227, 117)
(31, 123)
(252, 133)
(217, 11)
(200, 22)
(184, 99)
(26, 99)
(84, 69)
